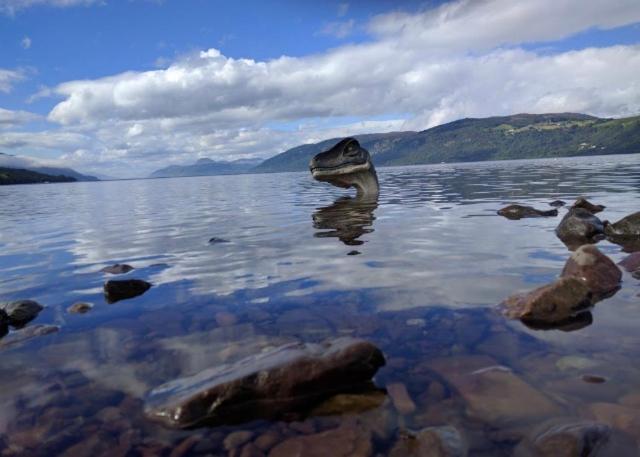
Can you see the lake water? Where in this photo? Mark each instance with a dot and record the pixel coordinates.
(420, 274)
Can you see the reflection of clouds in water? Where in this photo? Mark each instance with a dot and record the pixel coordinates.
(415, 249)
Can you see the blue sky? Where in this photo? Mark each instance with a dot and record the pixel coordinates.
(124, 87)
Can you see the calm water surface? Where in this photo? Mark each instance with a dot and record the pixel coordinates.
(420, 274)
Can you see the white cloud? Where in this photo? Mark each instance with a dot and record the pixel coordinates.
(26, 42)
(424, 69)
(9, 118)
(338, 29)
(8, 78)
(11, 7)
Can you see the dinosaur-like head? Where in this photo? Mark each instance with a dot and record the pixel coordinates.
(347, 164)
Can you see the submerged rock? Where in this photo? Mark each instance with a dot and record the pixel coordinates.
(401, 399)
(594, 269)
(80, 308)
(565, 438)
(554, 303)
(117, 269)
(20, 312)
(216, 240)
(269, 385)
(519, 211)
(116, 290)
(344, 441)
(578, 227)
(445, 441)
(626, 227)
(631, 263)
(583, 203)
(557, 203)
(27, 333)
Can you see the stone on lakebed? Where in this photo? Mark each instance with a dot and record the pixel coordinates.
(268, 385)
(116, 290)
(20, 312)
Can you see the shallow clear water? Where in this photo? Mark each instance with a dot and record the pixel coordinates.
(419, 274)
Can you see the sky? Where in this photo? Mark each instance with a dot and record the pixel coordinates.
(124, 87)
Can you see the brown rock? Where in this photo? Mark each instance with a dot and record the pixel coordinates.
(564, 438)
(632, 400)
(583, 203)
(631, 263)
(185, 446)
(268, 385)
(267, 440)
(554, 303)
(400, 398)
(430, 442)
(225, 319)
(493, 393)
(621, 417)
(123, 289)
(117, 269)
(515, 212)
(628, 226)
(80, 308)
(237, 439)
(344, 441)
(595, 269)
(350, 403)
(251, 450)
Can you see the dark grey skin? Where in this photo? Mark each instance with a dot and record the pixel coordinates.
(516, 212)
(345, 165)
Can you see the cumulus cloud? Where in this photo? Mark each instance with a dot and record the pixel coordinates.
(8, 78)
(11, 7)
(9, 118)
(461, 59)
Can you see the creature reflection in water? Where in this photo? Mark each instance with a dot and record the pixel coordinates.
(346, 219)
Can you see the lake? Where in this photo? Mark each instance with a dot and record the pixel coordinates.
(420, 274)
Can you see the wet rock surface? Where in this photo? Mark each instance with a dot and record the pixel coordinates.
(116, 290)
(585, 204)
(268, 385)
(80, 308)
(565, 438)
(554, 303)
(578, 227)
(628, 226)
(557, 203)
(20, 312)
(117, 269)
(516, 212)
(596, 270)
(444, 441)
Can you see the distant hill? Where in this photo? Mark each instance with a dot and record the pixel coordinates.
(20, 176)
(206, 167)
(521, 136)
(16, 162)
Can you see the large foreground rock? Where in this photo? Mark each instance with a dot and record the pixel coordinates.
(20, 312)
(594, 269)
(123, 289)
(516, 212)
(554, 303)
(269, 385)
(443, 441)
(565, 438)
(578, 227)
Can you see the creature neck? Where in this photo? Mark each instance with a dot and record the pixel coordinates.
(366, 184)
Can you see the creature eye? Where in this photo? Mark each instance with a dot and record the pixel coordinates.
(351, 149)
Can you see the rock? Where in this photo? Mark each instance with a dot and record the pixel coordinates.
(267, 440)
(620, 417)
(20, 312)
(80, 308)
(351, 403)
(583, 203)
(185, 446)
(494, 394)
(344, 441)
(554, 303)
(123, 289)
(594, 269)
(117, 269)
(400, 398)
(443, 441)
(557, 203)
(216, 240)
(515, 212)
(593, 379)
(578, 227)
(237, 439)
(251, 450)
(632, 400)
(631, 263)
(565, 438)
(574, 362)
(269, 385)
(26, 334)
(628, 226)
(353, 253)
(225, 319)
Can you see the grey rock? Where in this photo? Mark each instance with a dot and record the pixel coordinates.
(578, 227)
(515, 212)
(117, 269)
(585, 204)
(269, 385)
(20, 312)
(628, 226)
(557, 203)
